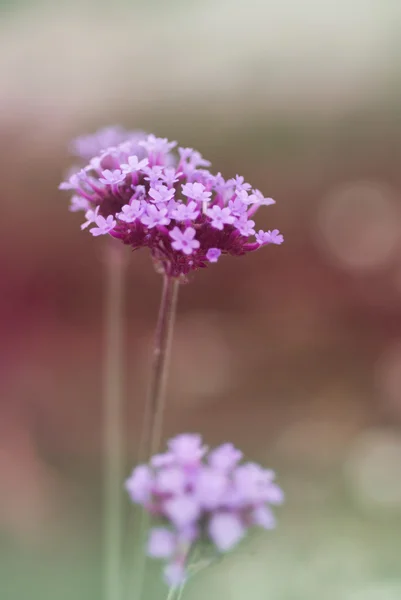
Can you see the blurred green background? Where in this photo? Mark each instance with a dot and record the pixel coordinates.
(294, 353)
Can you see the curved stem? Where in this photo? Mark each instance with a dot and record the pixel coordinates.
(113, 421)
(153, 416)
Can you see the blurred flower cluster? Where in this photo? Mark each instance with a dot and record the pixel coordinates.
(201, 497)
(142, 193)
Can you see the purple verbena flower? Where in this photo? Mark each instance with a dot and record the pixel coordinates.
(245, 198)
(245, 226)
(184, 240)
(210, 487)
(161, 543)
(240, 184)
(104, 225)
(196, 191)
(194, 158)
(185, 153)
(220, 217)
(262, 200)
(171, 480)
(133, 165)
(112, 177)
(224, 457)
(162, 460)
(153, 175)
(155, 216)
(187, 448)
(195, 494)
(130, 212)
(167, 202)
(74, 181)
(90, 216)
(257, 200)
(237, 207)
(226, 530)
(157, 145)
(78, 203)
(269, 237)
(182, 510)
(87, 146)
(161, 193)
(262, 516)
(170, 176)
(185, 212)
(139, 485)
(213, 255)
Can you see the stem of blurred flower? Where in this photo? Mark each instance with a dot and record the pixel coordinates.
(193, 568)
(175, 593)
(115, 264)
(152, 424)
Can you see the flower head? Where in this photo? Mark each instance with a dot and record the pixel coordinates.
(195, 494)
(146, 195)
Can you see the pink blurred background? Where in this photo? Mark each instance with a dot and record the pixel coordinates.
(294, 353)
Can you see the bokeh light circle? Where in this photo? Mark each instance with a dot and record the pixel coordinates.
(360, 224)
(373, 470)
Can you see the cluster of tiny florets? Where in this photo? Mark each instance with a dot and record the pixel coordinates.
(142, 192)
(201, 496)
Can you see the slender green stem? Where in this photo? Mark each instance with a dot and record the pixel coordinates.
(154, 409)
(180, 592)
(151, 432)
(171, 595)
(113, 421)
(176, 592)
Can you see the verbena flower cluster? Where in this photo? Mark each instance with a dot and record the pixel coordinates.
(201, 496)
(140, 191)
